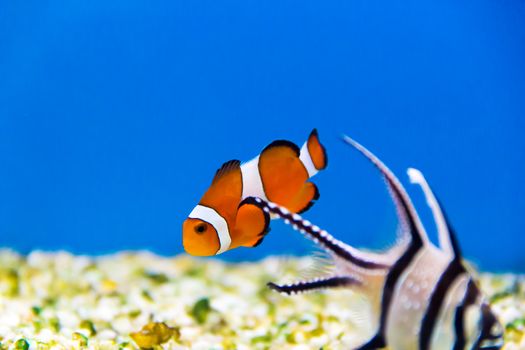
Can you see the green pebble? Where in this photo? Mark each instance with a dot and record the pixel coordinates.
(267, 338)
(158, 278)
(54, 323)
(88, 324)
(200, 310)
(518, 324)
(37, 310)
(81, 338)
(146, 295)
(21, 344)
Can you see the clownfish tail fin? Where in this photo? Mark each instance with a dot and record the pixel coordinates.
(252, 223)
(313, 154)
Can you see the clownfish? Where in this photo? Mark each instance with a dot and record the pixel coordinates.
(227, 217)
(422, 296)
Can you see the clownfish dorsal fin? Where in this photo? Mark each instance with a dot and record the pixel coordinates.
(406, 211)
(225, 169)
(446, 235)
(225, 191)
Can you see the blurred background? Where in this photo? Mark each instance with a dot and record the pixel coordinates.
(115, 115)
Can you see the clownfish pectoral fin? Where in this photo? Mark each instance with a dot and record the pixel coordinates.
(252, 223)
(304, 199)
(282, 172)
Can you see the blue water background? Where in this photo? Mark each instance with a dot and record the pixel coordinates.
(114, 116)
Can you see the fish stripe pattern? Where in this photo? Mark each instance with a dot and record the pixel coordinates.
(391, 281)
(452, 272)
(251, 180)
(470, 297)
(415, 230)
(307, 161)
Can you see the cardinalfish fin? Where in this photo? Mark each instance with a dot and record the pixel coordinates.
(315, 284)
(322, 265)
(406, 211)
(446, 234)
(282, 172)
(322, 238)
(313, 154)
(252, 223)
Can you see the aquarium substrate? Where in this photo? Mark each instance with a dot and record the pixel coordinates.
(138, 300)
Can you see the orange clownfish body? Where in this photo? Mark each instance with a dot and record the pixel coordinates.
(227, 217)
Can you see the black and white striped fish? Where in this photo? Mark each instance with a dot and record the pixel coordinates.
(423, 296)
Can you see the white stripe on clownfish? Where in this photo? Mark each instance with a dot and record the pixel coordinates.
(307, 161)
(212, 217)
(252, 185)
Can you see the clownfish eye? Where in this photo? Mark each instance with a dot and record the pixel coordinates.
(201, 228)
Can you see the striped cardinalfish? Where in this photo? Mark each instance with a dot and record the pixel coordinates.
(227, 217)
(422, 296)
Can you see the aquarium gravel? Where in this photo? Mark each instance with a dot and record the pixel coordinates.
(141, 300)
